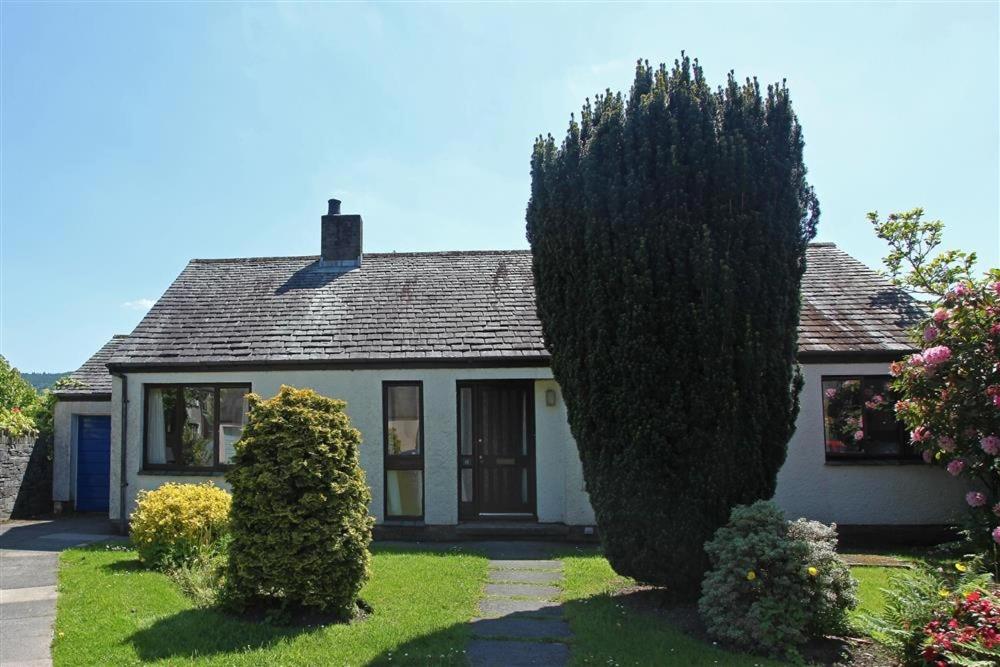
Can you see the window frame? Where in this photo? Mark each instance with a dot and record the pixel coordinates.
(216, 397)
(906, 453)
(402, 462)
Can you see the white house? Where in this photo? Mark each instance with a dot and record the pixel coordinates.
(441, 361)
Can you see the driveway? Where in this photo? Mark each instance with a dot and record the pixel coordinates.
(29, 559)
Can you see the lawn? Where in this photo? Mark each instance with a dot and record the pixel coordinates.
(608, 633)
(113, 611)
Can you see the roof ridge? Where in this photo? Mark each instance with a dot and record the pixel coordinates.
(418, 253)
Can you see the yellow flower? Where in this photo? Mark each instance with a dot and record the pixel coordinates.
(944, 592)
(812, 571)
(961, 567)
(751, 575)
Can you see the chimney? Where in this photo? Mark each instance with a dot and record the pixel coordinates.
(341, 239)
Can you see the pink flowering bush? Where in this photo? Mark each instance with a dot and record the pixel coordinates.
(950, 388)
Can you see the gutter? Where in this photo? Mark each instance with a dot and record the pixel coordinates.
(123, 474)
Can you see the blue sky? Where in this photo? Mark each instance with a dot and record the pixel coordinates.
(137, 136)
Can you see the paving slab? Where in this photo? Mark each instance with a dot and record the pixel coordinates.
(521, 627)
(523, 590)
(541, 565)
(25, 571)
(26, 648)
(525, 576)
(495, 653)
(42, 609)
(27, 594)
(25, 627)
(496, 607)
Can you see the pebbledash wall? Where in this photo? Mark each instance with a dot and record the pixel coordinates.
(64, 446)
(861, 494)
(561, 497)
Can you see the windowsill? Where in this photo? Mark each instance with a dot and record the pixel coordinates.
(875, 462)
(403, 522)
(173, 472)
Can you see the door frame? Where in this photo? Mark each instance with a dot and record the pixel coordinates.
(473, 514)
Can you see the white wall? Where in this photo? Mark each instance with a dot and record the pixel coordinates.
(557, 463)
(807, 485)
(857, 493)
(64, 444)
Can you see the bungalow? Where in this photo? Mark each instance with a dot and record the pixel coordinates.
(440, 358)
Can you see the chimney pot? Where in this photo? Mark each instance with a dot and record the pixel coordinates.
(334, 207)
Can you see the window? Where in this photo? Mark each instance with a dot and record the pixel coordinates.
(859, 420)
(193, 426)
(403, 434)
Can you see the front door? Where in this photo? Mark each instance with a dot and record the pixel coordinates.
(496, 450)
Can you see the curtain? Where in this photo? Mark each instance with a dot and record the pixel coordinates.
(157, 434)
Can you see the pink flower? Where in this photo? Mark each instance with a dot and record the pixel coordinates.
(995, 329)
(996, 531)
(895, 369)
(961, 289)
(956, 467)
(996, 287)
(940, 315)
(920, 434)
(975, 498)
(990, 444)
(858, 435)
(831, 392)
(927, 456)
(946, 443)
(937, 355)
(930, 333)
(916, 360)
(996, 400)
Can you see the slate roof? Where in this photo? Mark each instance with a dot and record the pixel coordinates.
(93, 375)
(440, 307)
(849, 308)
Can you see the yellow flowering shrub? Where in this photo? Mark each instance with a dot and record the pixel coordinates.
(175, 522)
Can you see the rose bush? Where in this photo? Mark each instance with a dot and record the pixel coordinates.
(950, 389)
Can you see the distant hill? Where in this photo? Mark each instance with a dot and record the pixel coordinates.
(42, 381)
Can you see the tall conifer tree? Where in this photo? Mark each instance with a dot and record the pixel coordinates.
(669, 232)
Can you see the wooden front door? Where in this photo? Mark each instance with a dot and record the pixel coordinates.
(496, 450)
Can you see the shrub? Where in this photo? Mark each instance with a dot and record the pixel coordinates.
(919, 604)
(15, 423)
(773, 584)
(202, 577)
(832, 589)
(175, 523)
(300, 519)
(950, 389)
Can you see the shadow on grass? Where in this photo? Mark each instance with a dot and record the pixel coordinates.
(204, 632)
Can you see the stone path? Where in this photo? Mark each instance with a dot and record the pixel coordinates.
(29, 559)
(520, 619)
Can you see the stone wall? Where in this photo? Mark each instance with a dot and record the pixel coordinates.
(25, 477)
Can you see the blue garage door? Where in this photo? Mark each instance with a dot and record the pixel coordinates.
(93, 463)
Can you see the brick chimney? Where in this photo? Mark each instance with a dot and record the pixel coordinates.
(341, 239)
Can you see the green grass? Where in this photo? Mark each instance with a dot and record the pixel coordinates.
(870, 582)
(113, 611)
(608, 633)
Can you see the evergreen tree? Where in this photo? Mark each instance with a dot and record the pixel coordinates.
(669, 232)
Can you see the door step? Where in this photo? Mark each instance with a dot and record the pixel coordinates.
(511, 529)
